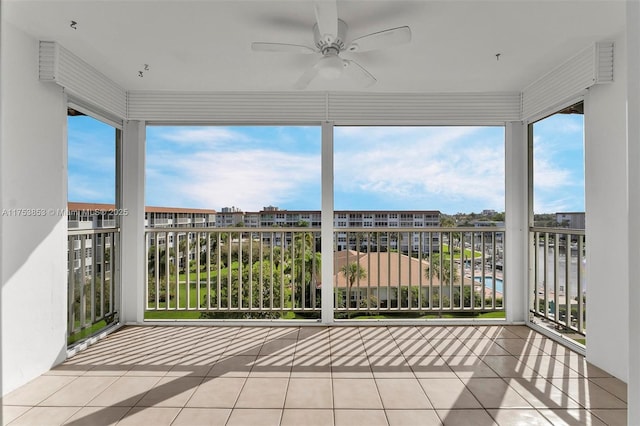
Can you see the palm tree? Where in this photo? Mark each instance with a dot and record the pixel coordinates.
(445, 273)
(352, 271)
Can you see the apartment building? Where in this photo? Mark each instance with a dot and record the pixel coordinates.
(344, 220)
(573, 220)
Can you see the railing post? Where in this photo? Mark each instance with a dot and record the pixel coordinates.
(327, 223)
(132, 238)
(516, 222)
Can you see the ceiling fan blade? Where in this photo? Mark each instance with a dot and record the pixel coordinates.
(358, 73)
(306, 78)
(280, 47)
(381, 39)
(327, 18)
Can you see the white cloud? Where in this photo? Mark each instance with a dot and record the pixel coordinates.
(249, 179)
(209, 135)
(439, 165)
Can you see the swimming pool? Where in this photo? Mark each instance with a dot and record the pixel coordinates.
(488, 282)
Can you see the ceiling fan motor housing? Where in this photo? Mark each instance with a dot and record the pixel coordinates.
(331, 42)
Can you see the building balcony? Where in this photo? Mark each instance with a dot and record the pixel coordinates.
(522, 62)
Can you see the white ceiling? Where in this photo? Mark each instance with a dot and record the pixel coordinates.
(205, 45)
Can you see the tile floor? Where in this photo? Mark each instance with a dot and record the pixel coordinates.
(428, 375)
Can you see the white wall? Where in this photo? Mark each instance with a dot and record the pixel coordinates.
(606, 221)
(33, 249)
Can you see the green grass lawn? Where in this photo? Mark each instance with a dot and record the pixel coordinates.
(409, 315)
(86, 332)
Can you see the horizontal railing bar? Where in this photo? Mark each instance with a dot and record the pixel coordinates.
(565, 231)
(74, 232)
(434, 229)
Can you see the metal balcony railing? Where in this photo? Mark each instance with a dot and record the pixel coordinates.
(233, 272)
(275, 272)
(92, 281)
(558, 280)
(418, 272)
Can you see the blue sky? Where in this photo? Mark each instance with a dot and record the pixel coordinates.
(451, 169)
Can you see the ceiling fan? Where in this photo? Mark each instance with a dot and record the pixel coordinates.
(330, 41)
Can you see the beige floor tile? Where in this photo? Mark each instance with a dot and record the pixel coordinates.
(413, 418)
(92, 416)
(263, 393)
(170, 392)
(309, 393)
(416, 347)
(193, 366)
(110, 369)
(145, 416)
(578, 363)
(355, 394)
(375, 333)
(217, 392)
(450, 347)
(469, 366)
(272, 366)
(405, 333)
(430, 366)
(312, 332)
(202, 417)
(466, 418)
(45, 416)
(211, 347)
(381, 348)
(344, 333)
(125, 391)
(611, 417)
(549, 366)
(345, 347)
(509, 366)
(233, 366)
(311, 366)
(244, 347)
(252, 417)
(390, 367)
(360, 418)
(289, 333)
(571, 417)
(436, 332)
(612, 385)
(11, 412)
(588, 394)
(37, 390)
(484, 346)
(465, 332)
(499, 332)
(79, 392)
(517, 417)
(519, 347)
(308, 417)
(496, 393)
(449, 394)
(155, 365)
(278, 347)
(550, 347)
(540, 393)
(402, 394)
(313, 347)
(65, 369)
(350, 367)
